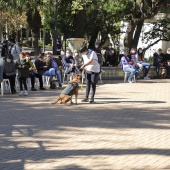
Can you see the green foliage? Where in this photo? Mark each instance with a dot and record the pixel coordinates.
(40, 42)
(158, 31)
(26, 43)
(149, 60)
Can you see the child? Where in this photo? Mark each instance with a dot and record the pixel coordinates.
(23, 66)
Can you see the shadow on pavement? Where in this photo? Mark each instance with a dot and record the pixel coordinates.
(32, 116)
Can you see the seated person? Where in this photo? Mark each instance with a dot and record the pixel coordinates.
(159, 60)
(1, 71)
(43, 69)
(128, 66)
(78, 62)
(10, 72)
(68, 62)
(98, 52)
(33, 73)
(133, 56)
(57, 65)
(140, 60)
(110, 56)
(167, 58)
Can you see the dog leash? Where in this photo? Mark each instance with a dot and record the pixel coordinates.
(82, 87)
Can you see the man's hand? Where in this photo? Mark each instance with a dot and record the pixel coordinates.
(82, 67)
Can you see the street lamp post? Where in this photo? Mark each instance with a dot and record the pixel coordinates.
(44, 37)
(55, 28)
(21, 34)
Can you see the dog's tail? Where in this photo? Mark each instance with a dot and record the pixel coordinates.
(55, 102)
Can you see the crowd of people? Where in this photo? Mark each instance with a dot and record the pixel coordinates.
(19, 66)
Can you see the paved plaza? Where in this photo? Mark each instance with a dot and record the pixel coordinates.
(128, 128)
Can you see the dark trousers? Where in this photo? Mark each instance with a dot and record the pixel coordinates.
(23, 81)
(32, 75)
(91, 81)
(11, 80)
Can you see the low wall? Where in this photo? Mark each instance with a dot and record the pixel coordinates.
(111, 73)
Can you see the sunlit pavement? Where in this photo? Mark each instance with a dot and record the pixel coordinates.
(128, 127)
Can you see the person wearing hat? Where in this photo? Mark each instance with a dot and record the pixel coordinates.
(15, 50)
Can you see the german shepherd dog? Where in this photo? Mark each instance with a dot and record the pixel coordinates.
(70, 90)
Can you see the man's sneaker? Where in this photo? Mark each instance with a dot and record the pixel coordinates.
(21, 93)
(60, 85)
(130, 81)
(25, 93)
(33, 89)
(146, 78)
(85, 100)
(42, 88)
(91, 100)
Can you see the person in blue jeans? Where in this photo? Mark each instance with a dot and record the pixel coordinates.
(44, 69)
(128, 66)
(146, 65)
(55, 63)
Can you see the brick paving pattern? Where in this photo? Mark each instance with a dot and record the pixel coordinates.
(128, 128)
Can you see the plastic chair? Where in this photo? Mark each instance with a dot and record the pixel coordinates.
(5, 85)
(100, 75)
(29, 83)
(46, 80)
(126, 76)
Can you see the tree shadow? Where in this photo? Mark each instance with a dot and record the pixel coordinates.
(27, 117)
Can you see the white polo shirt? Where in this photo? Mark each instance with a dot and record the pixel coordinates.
(94, 66)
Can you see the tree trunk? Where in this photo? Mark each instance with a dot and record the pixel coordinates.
(93, 39)
(79, 24)
(1, 31)
(129, 35)
(35, 42)
(34, 22)
(27, 34)
(137, 33)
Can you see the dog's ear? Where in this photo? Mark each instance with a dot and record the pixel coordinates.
(79, 76)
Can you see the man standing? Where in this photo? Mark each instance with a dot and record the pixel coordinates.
(59, 46)
(14, 49)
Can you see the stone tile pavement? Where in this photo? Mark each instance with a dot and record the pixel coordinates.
(128, 128)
